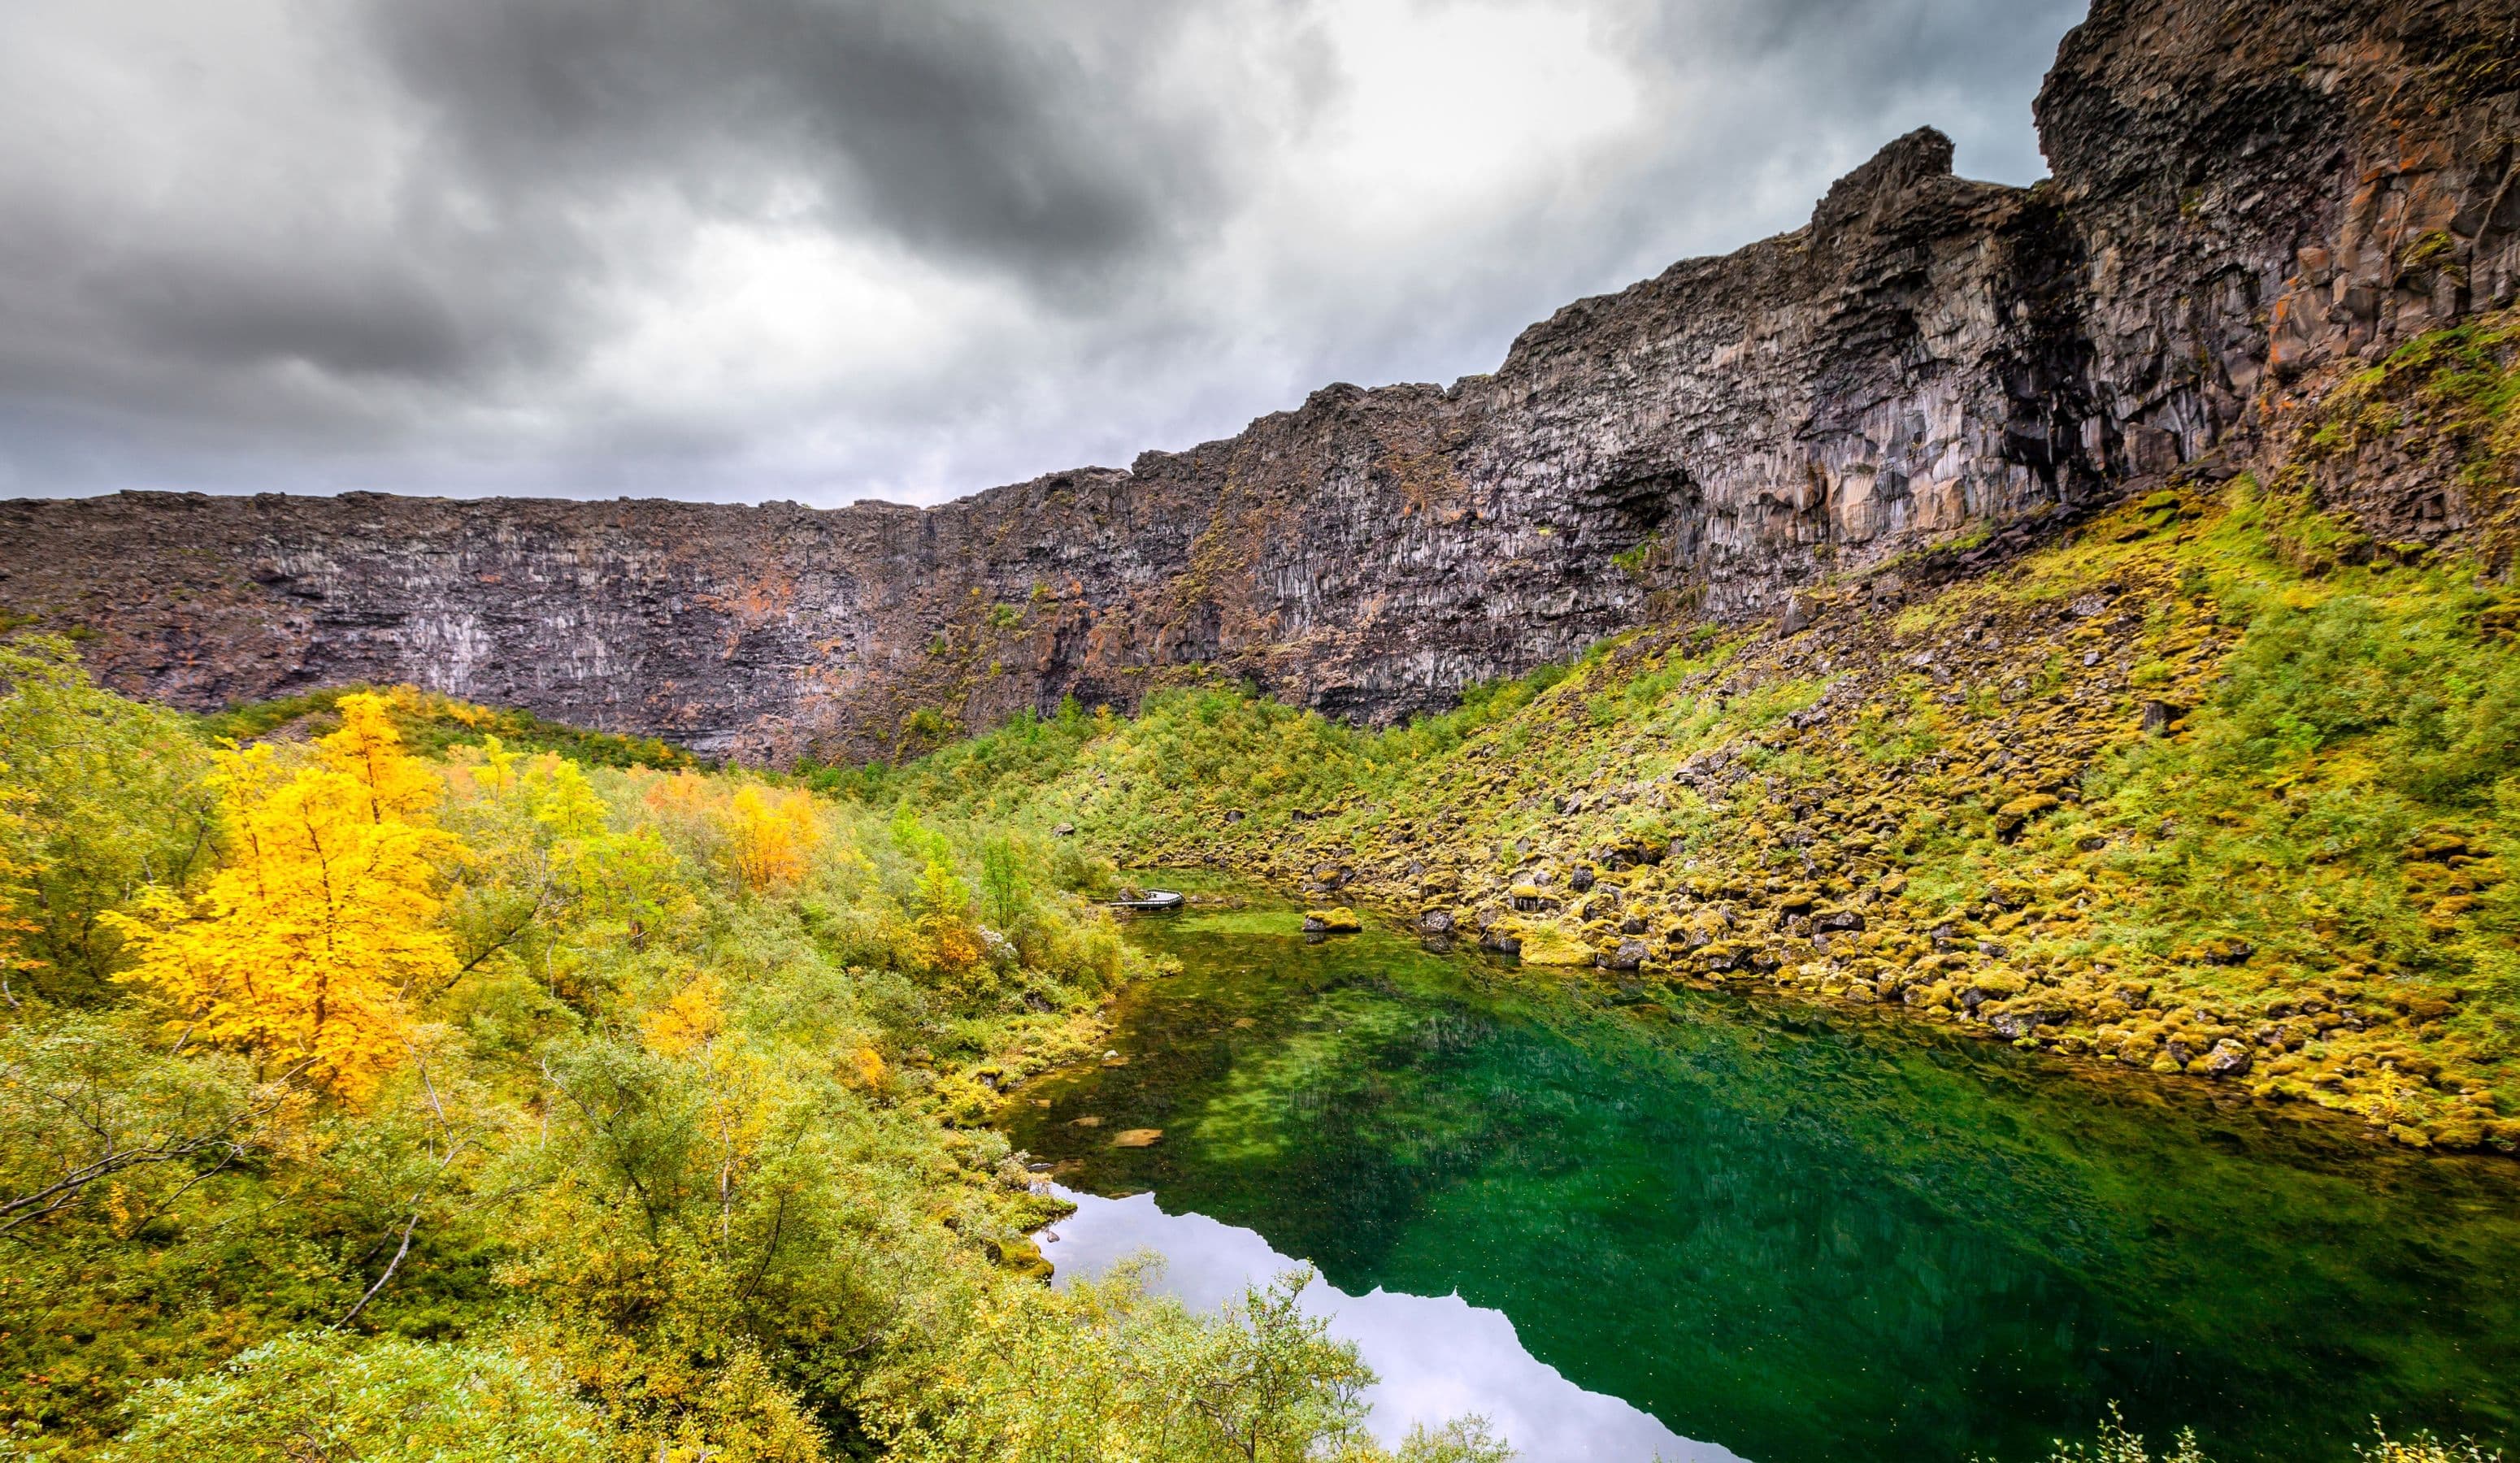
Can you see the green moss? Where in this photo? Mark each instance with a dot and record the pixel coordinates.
(2428, 248)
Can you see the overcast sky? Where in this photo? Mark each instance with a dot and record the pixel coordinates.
(825, 249)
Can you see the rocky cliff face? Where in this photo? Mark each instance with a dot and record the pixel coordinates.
(2268, 193)
(2249, 199)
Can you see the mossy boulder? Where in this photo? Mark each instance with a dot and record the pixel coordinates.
(1021, 1256)
(2012, 817)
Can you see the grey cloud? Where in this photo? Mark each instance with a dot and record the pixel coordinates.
(1978, 65)
(449, 245)
(215, 313)
(1023, 139)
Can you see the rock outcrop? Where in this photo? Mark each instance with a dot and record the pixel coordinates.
(2248, 200)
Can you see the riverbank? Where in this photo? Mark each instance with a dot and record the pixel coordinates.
(1968, 810)
(2203, 789)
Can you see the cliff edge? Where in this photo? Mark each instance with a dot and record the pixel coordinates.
(2249, 202)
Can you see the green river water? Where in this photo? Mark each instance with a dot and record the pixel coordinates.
(1795, 1233)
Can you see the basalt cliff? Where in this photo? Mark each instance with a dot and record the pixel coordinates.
(2249, 202)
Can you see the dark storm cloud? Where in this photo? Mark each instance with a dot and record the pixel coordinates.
(1018, 138)
(345, 321)
(823, 247)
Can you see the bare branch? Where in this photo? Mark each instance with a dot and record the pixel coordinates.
(390, 1267)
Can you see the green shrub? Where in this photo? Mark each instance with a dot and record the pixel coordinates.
(329, 1396)
(99, 798)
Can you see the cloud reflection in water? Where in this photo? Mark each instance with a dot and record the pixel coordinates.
(1437, 1357)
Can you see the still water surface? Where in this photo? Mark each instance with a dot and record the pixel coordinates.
(1686, 1224)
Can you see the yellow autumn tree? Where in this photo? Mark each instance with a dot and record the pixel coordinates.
(688, 1022)
(312, 942)
(770, 835)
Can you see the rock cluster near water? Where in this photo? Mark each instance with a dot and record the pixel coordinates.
(2249, 201)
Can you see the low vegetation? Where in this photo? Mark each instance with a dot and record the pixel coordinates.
(497, 1103)
(2116, 1445)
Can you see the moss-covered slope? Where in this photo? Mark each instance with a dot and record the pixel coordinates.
(2216, 784)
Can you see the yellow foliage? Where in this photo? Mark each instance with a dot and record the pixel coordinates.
(692, 1020)
(313, 940)
(767, 837)
(13, 927)
(682, 794)
(368, 751)
(955, 947)
(771, 837)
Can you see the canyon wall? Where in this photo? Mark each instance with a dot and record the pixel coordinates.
(2247, 201)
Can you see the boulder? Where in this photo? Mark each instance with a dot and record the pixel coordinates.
(2228, 1058)
(2016, 1024)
